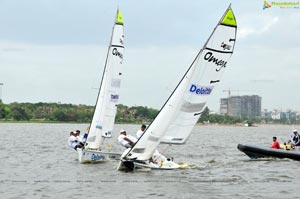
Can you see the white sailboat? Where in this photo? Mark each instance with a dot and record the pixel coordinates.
(182, 109)
(108, 97)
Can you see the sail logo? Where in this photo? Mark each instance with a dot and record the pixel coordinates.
(200, 90)
(97, 157)
(114, 97)
(122, 40)
(266, 5)
(211, 58)
(117, 53)
(225, 46)
(98, 127)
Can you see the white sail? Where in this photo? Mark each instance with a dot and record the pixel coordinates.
(181, 111)
(108, 96)
(208, 68)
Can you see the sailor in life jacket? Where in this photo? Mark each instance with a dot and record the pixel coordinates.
(275, 144)
(73, 141)
(295, 138)
(126, 140)
(81, 138)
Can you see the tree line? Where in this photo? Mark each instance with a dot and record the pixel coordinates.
(56, 112)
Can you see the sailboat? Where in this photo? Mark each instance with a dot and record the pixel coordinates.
(183, 107)
(108, 97)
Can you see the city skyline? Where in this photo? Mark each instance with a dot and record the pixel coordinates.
(56, 52)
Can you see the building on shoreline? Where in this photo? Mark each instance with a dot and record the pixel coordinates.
(278, 114)
(241, 106)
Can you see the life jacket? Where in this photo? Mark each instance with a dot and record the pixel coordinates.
(296, 140)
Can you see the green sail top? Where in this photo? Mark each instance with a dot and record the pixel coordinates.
(228, 18)
(119, 18)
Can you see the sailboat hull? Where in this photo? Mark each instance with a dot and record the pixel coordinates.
(134, 165)
(94, 156)
(255, 152)
(158, 161)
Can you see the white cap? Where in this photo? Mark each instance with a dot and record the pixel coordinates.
(122, 131)
(295, 130)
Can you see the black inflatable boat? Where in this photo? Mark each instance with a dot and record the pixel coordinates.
(255, 152)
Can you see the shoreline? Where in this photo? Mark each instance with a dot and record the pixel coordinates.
(242, 124)
(136, 123)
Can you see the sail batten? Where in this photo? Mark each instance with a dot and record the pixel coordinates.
(219, 51)
(117, 46)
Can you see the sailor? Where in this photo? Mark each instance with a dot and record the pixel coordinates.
(126, 140)
(81, 138)
(140, 132)
(295, 138)
(275, 144)
(78, 136)
(74, 142)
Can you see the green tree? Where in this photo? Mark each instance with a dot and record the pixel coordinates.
(18, 112)
(152, 113)
(3, 112)
(59, 115)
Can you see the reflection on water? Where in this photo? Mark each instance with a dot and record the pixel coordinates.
(37, 163)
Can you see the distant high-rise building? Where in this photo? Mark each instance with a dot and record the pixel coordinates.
(224, 106)
(245, 106)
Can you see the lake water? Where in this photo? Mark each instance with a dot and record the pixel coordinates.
(37, 163)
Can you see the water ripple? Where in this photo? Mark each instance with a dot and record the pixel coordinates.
(37, 163)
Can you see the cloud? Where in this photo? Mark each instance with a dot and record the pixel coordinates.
(68, 73)
(63, 73)
(59, 55)
(13, 49)
(263, 24)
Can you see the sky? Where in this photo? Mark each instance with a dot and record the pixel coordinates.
(54, 50)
